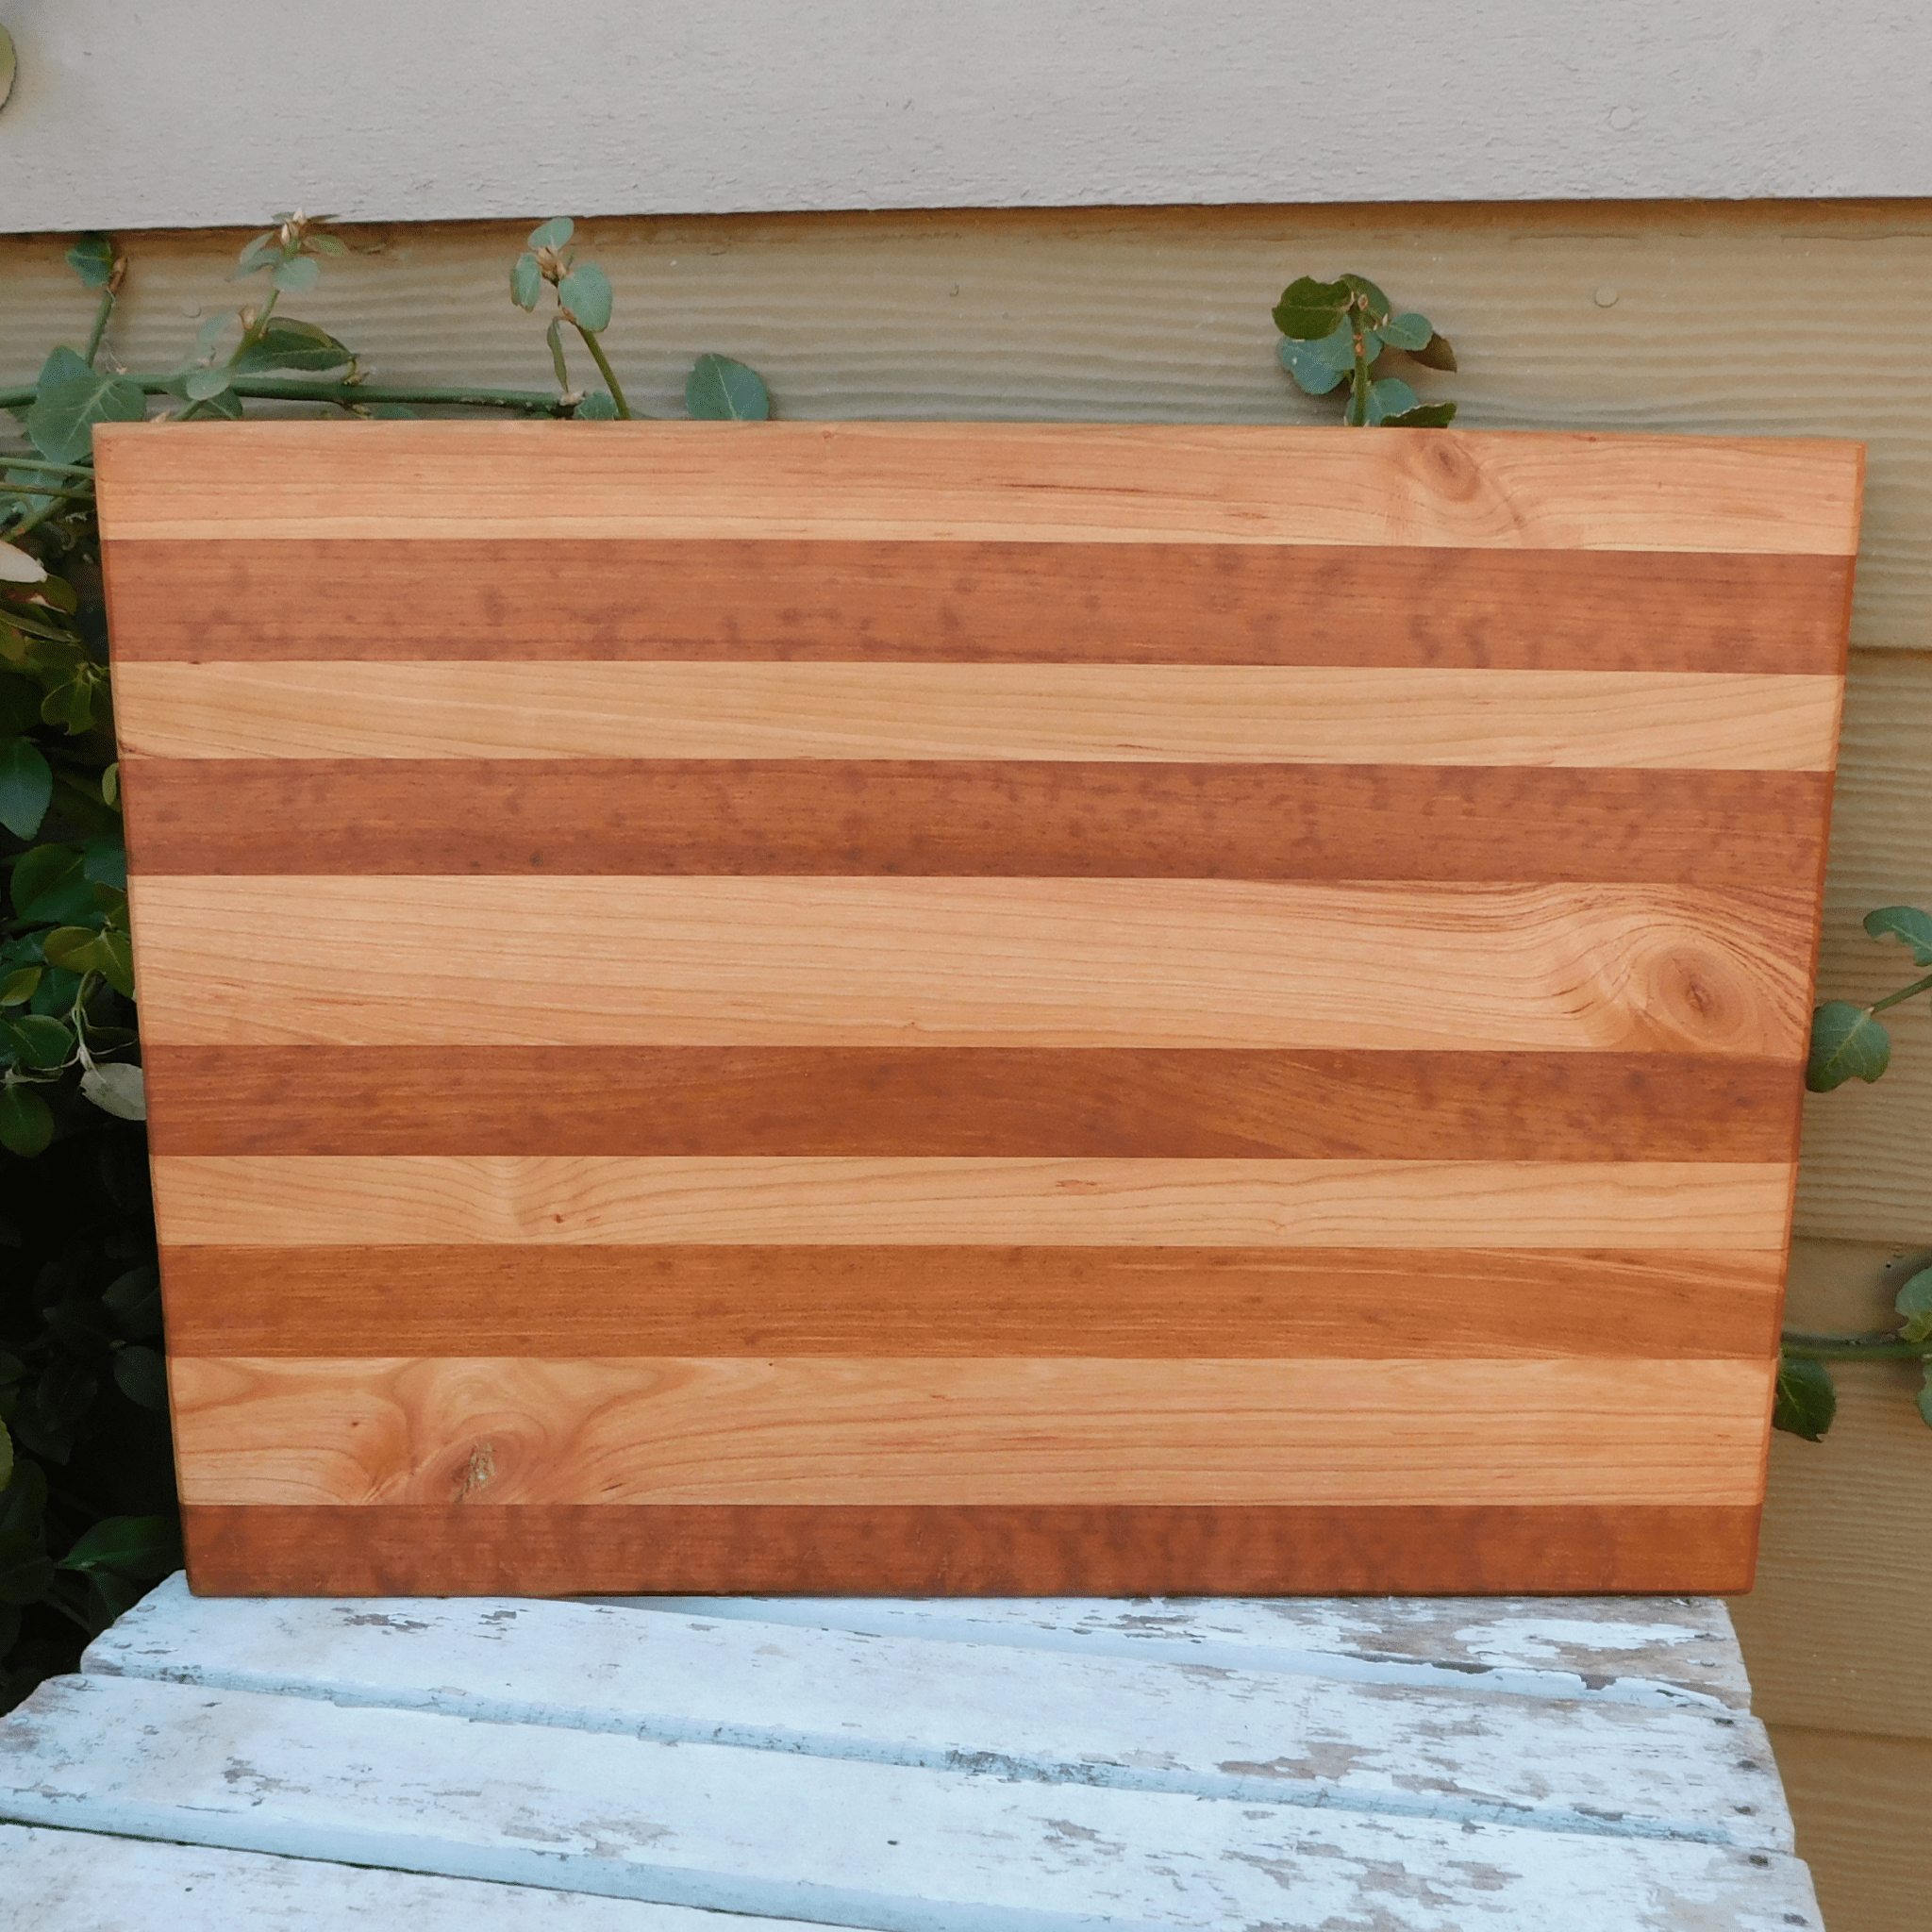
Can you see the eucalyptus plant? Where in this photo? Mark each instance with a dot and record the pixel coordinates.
(87, 1515)
(1851, 1042)
(1336, 332)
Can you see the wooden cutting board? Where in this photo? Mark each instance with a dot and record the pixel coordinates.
(980, 1008)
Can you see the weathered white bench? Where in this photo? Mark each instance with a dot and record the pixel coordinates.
(1467, 1765)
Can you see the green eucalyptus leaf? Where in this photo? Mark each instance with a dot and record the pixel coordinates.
(133, 1300)
(286, 343)
(1846, 1044)
(1388, 397)
(104, 862)
(1924, 1399)
(1435, 354)
(1805, 1400)
(75, 947)
(25, 1497)
(61, 420)
(598, 407)
(257, 255)
(211, 332)
(1907, 924)
(1360, 285)
(93, 260)
(721, 390)
(18, 987)
(554, 336)
(117, 969)
(26, 1125)
(141, 1375)
(1424, 416)
(71, 705)
(390, 413)
(1337, 348)
(26, 786)
(39, 1039)
(62, 365)
(526, 282)
(25, 1570)
(586, 293)
(1308, 308)
(318, 243)
(59, 594)
(203, 385)
(1914, 1303)
(552, 234)
(1311, 371)
(298, 277)
(57, 993)
(49, 885)
(1410, 331)
(141, 1546)
(81, 1327)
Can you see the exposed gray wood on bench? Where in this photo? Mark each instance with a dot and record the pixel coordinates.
(833, 1841)
(1054, 1718)
(1635, 1650)
(80, 1881)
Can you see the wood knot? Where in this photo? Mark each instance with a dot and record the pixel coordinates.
(477, 1472)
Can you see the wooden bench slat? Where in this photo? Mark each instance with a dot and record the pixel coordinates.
(1128, 1723)
(84, 1881)
(1655, 1651)
(834, 1841)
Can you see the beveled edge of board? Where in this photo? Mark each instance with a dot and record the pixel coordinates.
(472, 1549)
(1023, 482)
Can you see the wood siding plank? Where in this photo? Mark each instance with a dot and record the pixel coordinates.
(1177, 713)
(1121, 1550)
(994, 1432)
(319, 1200)
(588, 817)
(866, 962)
(1110, 1102)
(1000, 482)
(1099, 1302)
(721, 599)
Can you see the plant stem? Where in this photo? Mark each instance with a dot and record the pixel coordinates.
(41, 463)
(49, 490)
(294, 389)
(1882, 1347)
(101, 315)
(597, 355)
(1905, 993)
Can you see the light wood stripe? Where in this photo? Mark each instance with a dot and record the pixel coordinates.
(1181, 1103)
(307, 1200)
(840, 1430)
(1008, 482)
(1373, 1548)
(1221, 713)
(718, 1300)
(1013, 962)
(988, 603)
(989, 819)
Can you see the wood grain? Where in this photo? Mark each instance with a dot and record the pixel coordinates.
(986, 482)
(309, 1200)
(1111, 1102)
(561, 1550)
(1185, 713)
(750, 598)
(593, 816)
(1024, 962)
(831, 1429)
(1154, 1303)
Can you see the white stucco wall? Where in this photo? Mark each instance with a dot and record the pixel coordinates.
(171, 112)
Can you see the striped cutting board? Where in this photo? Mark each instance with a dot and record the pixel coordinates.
(975, 1008)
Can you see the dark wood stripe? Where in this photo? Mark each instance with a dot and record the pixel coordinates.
(962, 602)
(1177, 1103)
(967, 819)
(1228, 1302)
(559, 1549)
